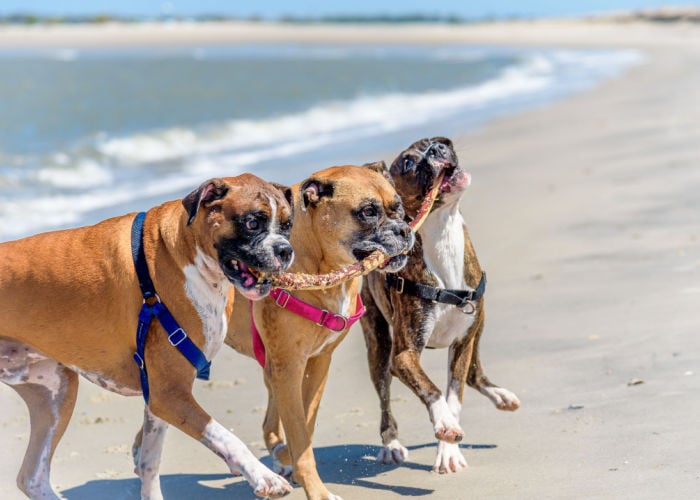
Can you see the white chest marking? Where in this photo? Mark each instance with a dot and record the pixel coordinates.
(207, 288)
(443, 250)
(344, 309)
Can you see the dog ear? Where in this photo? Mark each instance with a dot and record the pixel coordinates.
(287, 193)
(381, 168)
(213, 189)
(314, 190)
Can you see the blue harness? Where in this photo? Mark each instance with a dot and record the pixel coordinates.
(154, 308)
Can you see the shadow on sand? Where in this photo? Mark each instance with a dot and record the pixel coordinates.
(344, 464)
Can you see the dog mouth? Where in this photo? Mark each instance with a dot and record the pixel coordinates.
(455, 180)
(394, 264)
(391, 265)
(252, 283)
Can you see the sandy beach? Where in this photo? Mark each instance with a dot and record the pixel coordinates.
(585, 215)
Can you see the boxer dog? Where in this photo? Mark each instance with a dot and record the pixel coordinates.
(70, 301)
(342, 214)
(434, 302)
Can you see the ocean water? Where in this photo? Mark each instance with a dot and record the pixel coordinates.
(88, 134)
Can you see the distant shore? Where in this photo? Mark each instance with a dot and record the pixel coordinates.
(583, 33)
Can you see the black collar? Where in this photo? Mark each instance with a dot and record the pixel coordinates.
(464, 299)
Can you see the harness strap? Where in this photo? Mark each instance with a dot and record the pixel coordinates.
(154, 308)
(322, 317)
(459, 298)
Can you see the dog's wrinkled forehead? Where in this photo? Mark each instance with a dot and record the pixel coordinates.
(251, 194)
(422, 146)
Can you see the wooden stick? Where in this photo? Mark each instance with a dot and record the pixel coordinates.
(302, 281)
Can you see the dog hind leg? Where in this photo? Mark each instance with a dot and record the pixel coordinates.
(378, 342)
(502, 398)
(148, 453)
(50, 390)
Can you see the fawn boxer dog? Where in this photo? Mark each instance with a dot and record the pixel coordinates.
(70, 303)
(342, 214)
(436, 301)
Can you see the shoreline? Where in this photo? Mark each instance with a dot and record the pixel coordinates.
(585, 215)
(565, 33)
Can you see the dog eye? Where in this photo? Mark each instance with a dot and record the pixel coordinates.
(408, 164)
(369, 211)
(252, 224)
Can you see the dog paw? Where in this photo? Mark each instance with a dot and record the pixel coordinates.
(502, 398)
(445, 423)
(449, 458)
(271, 485)
(452, 435)
(392, 453)
(280, 461)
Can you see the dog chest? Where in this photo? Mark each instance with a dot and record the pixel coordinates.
(208, 300)
(443, 251)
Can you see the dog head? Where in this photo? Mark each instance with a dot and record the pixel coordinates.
(415, 170)
(348, 213)
(244, 223)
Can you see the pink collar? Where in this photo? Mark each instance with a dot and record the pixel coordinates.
(322, 317)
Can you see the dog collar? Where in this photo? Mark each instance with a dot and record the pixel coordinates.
(463, 299)
(333, 321)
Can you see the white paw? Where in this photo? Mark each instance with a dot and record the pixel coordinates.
(267, 484)
(393, 453)
(445, 423)
(449, 458)
(331, 496)
(502, 398)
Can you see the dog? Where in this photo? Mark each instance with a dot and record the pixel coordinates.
(436, 301)
(342, 214)
(70, 302)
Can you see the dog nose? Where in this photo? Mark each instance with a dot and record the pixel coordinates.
(405, 230)
(284, 253)
(437, 149)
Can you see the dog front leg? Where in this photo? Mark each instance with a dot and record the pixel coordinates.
(178, 407)
(285, 381)
(273, 434)
(406, 361)
(449, 457)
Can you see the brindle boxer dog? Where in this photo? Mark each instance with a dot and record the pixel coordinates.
(342, 214)
(402, 319)
(70, 300)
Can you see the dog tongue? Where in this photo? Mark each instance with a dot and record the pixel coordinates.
(248, 277)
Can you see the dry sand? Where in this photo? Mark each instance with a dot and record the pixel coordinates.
(586, 215)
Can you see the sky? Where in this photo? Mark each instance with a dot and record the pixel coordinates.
(272, 9)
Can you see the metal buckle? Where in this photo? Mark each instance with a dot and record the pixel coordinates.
(151, 296)
(324, 315)
(139, 361)
(467, 307)
(286, 295)
(400, 282)
(170, 337)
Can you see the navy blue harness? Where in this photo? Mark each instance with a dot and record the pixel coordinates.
(154, 308)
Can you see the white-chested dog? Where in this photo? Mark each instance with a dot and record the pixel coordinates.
(70, 300)
(436, 301)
